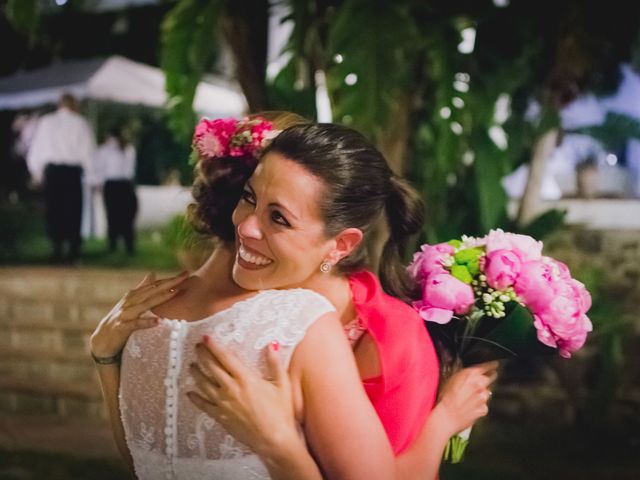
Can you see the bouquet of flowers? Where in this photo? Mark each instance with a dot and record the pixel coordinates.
(498, 296)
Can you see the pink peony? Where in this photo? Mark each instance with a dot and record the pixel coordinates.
(566, 346)
(583, 295)
(526, 247)
(429, 260)
(544, 333)
(502, 268)
(562, 269)
(443, 295)
(535, 284)
(563, 317)
(571, 341)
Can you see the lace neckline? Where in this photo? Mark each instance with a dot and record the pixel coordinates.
(219, 312)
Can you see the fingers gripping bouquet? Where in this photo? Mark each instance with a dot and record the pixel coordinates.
(497, 296)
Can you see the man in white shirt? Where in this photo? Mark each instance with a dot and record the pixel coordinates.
(60, 154)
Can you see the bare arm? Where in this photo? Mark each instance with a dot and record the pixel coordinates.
(462, 401)
(324, 373)
(260, 414)
(340, 422)
(110, 337)
(110, 383)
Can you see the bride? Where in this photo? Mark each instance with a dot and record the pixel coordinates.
(313, 198)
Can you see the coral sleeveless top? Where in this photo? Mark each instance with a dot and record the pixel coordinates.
(404, 393)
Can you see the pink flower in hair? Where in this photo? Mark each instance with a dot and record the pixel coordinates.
(208, 145)
(230, 137)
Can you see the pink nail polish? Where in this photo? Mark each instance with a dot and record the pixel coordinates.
(275, 345)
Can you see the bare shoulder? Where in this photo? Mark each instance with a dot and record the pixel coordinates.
(323, 343)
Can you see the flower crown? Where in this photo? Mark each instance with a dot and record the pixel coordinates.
(229, 137)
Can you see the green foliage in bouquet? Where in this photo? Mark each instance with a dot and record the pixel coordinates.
(492, 335)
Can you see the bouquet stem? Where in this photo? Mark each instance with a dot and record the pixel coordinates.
(456, 446)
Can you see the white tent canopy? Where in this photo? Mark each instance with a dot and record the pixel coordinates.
(626, 100)
(116, 79)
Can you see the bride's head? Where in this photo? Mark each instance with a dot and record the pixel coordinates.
(219, 181)
(312, 201)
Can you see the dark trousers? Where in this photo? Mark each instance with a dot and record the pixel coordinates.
(121, 204)
(63, 198)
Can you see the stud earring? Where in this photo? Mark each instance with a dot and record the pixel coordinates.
(325, 267)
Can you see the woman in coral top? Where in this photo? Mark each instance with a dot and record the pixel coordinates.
(393, 351)
(300, 223)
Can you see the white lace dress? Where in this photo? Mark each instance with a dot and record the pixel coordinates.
(169, 438)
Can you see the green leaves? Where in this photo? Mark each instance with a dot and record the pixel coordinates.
(188, 47)
(467, 255)
(23, 14)
(467, 264)
(282, 95)
(513, 335)
(488, 171)
(461, 272)
(377, 41)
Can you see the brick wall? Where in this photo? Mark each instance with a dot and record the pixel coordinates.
(47, 316)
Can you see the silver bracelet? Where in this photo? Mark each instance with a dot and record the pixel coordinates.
(114, 360)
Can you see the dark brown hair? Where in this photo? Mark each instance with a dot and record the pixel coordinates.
(360, 188)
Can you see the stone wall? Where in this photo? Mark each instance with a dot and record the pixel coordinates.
(615, 254)
(47, 316)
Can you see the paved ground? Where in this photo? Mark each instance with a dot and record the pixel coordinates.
(82, 437)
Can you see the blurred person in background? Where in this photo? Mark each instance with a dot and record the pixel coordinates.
(115, 168)
(60, 154)
(23, 128)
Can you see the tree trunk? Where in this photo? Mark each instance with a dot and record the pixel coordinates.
(247, 35)
(392, 142)
(530, 200)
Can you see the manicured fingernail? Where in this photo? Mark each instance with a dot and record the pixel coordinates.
(275, 345)
(206, 338)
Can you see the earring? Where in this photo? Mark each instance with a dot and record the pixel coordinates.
(325, 267)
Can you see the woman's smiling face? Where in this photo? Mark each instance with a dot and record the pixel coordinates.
(281, 239)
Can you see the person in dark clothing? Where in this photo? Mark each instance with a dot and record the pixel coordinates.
(115, 169)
